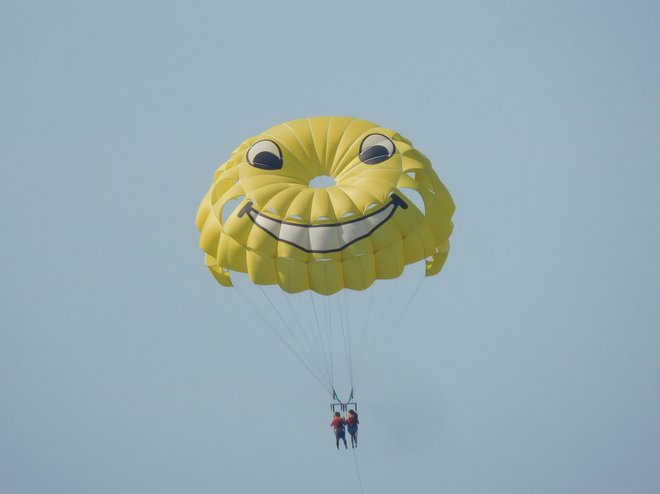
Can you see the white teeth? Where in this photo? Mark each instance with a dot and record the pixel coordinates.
(323, 238)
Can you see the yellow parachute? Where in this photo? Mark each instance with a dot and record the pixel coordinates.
(316, 206)
(289, 233)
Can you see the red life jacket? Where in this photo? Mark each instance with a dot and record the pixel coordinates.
(337, 423)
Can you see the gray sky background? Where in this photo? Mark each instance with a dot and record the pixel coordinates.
(531, 364)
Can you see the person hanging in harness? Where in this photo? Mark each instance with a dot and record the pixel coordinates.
(337, 424)
(352, 426)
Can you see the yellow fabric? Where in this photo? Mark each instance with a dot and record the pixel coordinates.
(324, 239)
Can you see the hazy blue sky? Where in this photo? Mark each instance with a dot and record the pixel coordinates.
(530, 365)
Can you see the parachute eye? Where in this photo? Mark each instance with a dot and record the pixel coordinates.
(265, 155)
(376, 148)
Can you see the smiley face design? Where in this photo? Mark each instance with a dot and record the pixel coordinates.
(323, 204)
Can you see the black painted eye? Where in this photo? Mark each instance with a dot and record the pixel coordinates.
(376, 148)
(265, 155)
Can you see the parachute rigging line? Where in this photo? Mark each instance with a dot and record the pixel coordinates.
(357, 469)
(388, 334)
(304, 351)
(375, 336)
(315, 358)
(319, 331)
(346, 337)
(312, 348)
(328, 331)
(274, 330)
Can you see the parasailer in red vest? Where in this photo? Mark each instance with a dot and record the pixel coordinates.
(338, 424)
(352, 426)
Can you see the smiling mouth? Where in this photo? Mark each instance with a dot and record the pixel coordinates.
(323, 238)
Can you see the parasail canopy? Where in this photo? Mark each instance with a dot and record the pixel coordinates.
(385, 208)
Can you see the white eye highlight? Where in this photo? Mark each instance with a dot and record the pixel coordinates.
(376, 148)
(265, 155)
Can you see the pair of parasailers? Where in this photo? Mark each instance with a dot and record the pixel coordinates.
(340, 424)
